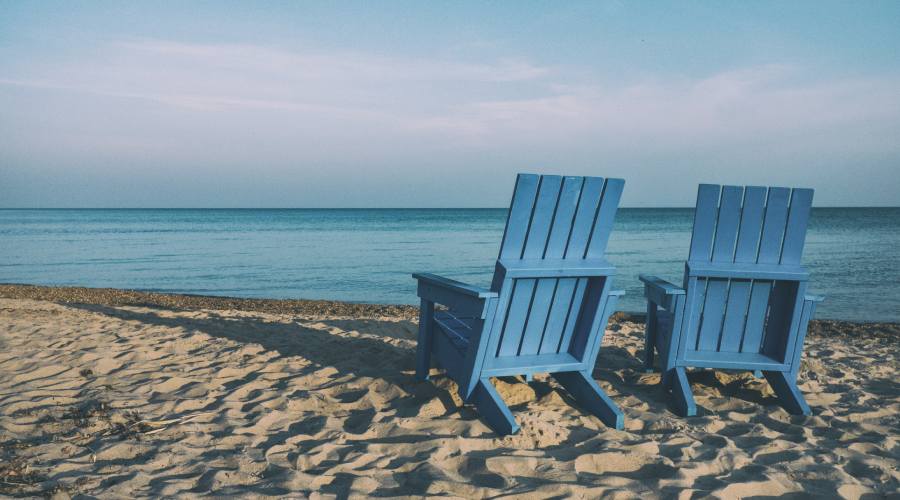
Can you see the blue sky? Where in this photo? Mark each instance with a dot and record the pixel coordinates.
(384, 104)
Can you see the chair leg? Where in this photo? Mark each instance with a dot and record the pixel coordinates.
(493, 409)
(585, 390)
(665, 380)
(668, 373)
(788, 393)
(681, 392)
(650, 327)
(426, 335)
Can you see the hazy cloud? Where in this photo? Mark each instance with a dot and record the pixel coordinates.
(137, 102)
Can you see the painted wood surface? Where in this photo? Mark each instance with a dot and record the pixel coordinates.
(548, 304)
(744, 302)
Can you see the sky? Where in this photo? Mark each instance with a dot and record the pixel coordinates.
(439, 104)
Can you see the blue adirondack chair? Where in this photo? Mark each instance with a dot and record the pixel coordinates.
(546, 309)
(743, 304)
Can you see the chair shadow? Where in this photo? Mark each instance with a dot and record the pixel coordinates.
(351, 355)
(614, 360)
(385, 350)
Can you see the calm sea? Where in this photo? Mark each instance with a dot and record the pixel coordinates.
(368, 255)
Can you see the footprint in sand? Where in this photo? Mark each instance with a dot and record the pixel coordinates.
(612, 462)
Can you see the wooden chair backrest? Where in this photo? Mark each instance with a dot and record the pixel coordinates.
(743, 276)
(558, 220)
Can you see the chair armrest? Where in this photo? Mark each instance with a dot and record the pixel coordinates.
(660, 291)
(660, 284)
(814, 298)
(459, 297)
(453, 285)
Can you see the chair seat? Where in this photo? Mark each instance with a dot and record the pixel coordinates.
(457, 329)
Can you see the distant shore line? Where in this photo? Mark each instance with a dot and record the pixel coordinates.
(305, 307)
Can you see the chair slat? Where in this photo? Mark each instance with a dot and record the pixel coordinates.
(713, 311)
(695, 289)
(735, 314)
(773, 226)
(756, 316)
(727, 225)
(542, 217)
(745, 271)
(751, 224)
(781, 310)
(704, 222)
(797, 294)
(517, 315)
(798, 219)
(574, 310)
(581, 345)
(559, 312)
(585, 216)
(537, 317)
(519, 216)
(564, 217)
(612, 193)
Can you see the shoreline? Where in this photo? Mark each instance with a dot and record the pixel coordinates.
(188, 302)
(313, 307)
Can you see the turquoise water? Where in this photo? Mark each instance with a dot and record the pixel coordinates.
(368, 255)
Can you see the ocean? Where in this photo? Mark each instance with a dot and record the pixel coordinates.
(367, 255)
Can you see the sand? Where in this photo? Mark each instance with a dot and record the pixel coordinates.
(121, 400)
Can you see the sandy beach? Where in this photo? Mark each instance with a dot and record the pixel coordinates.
(117, 394)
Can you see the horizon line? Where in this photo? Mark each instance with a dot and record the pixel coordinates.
(383, 208)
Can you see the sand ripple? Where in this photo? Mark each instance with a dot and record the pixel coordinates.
(136, 401)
